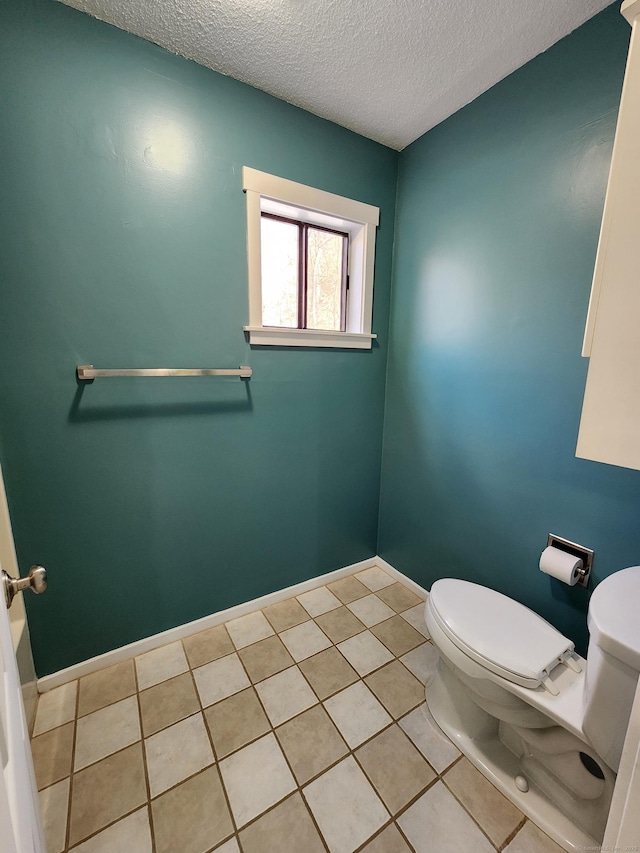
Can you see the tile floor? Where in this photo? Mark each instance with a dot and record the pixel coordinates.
(301, 727)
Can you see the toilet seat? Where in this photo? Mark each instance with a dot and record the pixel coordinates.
(498, 633)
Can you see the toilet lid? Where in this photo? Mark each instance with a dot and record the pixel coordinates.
(497, 632)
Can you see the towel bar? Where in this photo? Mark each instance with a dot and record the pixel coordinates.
(88, 372)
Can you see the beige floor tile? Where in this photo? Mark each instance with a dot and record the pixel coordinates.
(374, 578)
(422, 661)
(399, 597)
(265, 658)
(370, 610)
(328, 672)
(450, 829)
(284, 695)
(389, 841)
(365, 652)
(160, 664)
(339, 624)
(220, 678)
(396, 769)
(106, 791)
(318, 601)
(396, 688)
(345, 806)
(131, 834)
(208, 645)
(397, 635)
(256, 778)
(249, 629)
(285, 614)
(52, 755)
(192, 817)
(56, 708)
(305, 640)
(54, 803)
(236, 721)
(106, 686)
(429, 738)
(530, 839)
(105, 731)
(348, 589)
(415, 617)
(176, 753)
(168, 702)
(311, 743)
(287, 827)
(357, 714)
(496, 815)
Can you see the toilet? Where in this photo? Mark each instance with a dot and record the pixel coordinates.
(542, 723)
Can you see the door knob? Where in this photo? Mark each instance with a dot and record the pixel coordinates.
(36, 580)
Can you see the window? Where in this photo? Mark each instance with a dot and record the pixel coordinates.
(310, 257)
(304, 274)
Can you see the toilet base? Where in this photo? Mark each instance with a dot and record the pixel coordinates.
(498, 751)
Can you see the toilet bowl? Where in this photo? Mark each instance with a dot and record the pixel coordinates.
(542, 723)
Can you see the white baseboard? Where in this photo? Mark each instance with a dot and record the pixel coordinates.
(63, 676)
(419, 590)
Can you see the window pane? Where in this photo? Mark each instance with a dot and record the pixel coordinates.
(324, 280)
(279, 273)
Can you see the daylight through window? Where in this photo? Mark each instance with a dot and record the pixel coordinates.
(304, 275)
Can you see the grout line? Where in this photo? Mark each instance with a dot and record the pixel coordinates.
(145, 767)
(453, 764)
(213, 747)
(107, 826)
(465, 809)
(177, 784)
(298, 788)
(313, 819)
(513, 834)
(224, 787)
(404, 837)
(137, 807)
(67, 834)
(375, 835)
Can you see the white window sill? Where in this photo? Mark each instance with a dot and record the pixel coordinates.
(278, 337)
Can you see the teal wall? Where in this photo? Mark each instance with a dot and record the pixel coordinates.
(497, 225)
(156, 502)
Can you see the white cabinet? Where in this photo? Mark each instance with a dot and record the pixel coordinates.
(610, 423)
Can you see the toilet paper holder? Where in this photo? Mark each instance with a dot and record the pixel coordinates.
(585, 554)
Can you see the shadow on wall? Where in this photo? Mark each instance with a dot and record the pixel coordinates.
(84, 412)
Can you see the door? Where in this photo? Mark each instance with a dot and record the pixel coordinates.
(20, 824)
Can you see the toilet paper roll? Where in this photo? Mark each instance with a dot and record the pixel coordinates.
(561, 565)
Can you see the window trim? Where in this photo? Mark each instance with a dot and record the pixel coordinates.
(360, 222)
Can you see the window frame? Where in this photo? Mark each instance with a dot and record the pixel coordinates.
(303, 270)
(269, 194)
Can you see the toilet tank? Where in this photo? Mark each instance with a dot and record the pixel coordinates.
(613, 662)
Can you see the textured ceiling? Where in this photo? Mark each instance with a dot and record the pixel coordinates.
(388, 70)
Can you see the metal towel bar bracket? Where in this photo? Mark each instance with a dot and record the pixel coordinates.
(88, 372)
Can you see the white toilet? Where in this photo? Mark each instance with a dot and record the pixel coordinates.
(542, 723)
